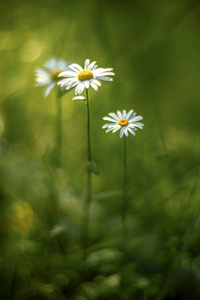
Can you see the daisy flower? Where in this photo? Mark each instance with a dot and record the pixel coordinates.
(124, 121)
(83, 78)
(48, 75)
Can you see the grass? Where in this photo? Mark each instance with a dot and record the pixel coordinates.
(154, 50)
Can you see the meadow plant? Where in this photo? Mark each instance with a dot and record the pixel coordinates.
(48, 77)
(82, 79)
(133, 231)
(65, 77)
(125, 122)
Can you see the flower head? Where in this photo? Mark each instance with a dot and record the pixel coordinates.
(48, 75)
(124, 121)
(83, 78)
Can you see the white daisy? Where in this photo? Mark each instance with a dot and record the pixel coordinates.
(48, 76)
(83, 78)
(125, 122)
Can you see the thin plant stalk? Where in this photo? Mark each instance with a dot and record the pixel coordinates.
(124, 211)
(59, 130)
(58, 150)
(88, 127)
(89, 182)
(89, 187)
(124, 200)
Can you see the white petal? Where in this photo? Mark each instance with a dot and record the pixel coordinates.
(62, 65)
(71, 85)
(79, 89)
(49, 89)
(109, 129)
(43, 77)
(79, 98)
(135, 119)
(103, 78)
(67, 81)
(113, 125)
(103, 73)
(63, 82)
(126, 131)
(86, 65)
(94, 86)
(94, 68)
(109, 119)
(87, 84)
(138, 125)
(119, 114)
(105, 126)
(129, 113)
(96, 82)
(117, 127)
(82, 87)
(43, 81)
(67, 74)
(76, 67)
(92, 65)
(132, 117)
(100, 70)
(131, 130)
(51, 64)
(41, 72)
(114, 116)
(121, 132)
(123, 114)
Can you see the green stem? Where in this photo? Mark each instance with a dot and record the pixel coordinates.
(59, 130)
(89, 183)
(58, 150)
(124, 202)
(88, 127)
(89, 151)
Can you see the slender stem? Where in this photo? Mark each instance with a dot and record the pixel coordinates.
(124, 202)
(123, 224)
(58, 150)
(89, 183)
(88, 127)
(124, 181)
(89, 150)
(59, 130)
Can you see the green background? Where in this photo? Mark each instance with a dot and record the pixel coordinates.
(154, 49)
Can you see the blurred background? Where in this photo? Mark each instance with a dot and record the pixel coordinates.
(154, 49)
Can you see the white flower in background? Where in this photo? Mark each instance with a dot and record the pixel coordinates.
(125, 122)
(83, 78)
(48, 75)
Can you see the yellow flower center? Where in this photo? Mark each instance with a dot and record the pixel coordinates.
(85, 75)
(123, 122)
(54, 75)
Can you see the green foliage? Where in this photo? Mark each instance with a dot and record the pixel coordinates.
(154, 49)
